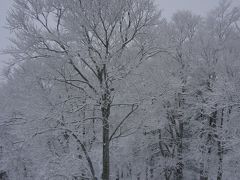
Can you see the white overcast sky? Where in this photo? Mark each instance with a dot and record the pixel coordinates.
(168, 6)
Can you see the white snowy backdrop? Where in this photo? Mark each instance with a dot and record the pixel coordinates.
(113, 90)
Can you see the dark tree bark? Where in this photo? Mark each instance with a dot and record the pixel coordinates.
(179, 171)
(106, 157)
(105, 109)
(179, 136)
(220, 151)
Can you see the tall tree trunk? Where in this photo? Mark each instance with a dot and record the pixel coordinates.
(210, 143)
(220, 161)
(179, 172)
(203, 172)
(179, 136)
(220, 151)
(105, 157)
(106, 141)
(105, 109)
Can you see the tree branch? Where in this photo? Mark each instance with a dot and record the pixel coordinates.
(134, 108)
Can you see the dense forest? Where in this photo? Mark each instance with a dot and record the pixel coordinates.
(111, 90)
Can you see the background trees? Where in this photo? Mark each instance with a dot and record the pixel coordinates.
(91, 78)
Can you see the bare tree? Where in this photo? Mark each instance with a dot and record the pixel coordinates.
(98, 44)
